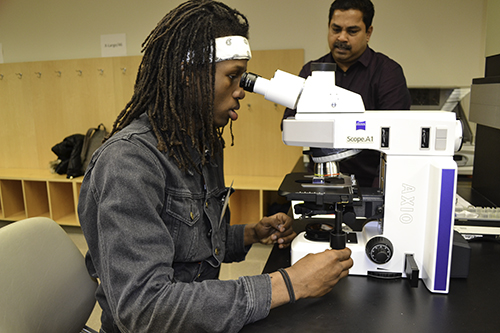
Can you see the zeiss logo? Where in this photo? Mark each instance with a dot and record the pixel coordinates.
(361, 125)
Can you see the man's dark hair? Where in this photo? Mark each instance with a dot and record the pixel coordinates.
(364, 6)
(176, 79)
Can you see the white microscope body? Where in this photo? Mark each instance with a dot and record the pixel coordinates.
(417, 175)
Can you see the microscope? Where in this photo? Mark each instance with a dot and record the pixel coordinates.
(401, 229)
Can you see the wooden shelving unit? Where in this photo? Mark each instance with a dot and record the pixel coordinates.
(28, 193)
(253, 196)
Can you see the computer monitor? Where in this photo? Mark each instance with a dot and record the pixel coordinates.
(485, 112)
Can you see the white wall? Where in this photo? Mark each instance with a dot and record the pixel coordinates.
(493, 28)
(438, 43)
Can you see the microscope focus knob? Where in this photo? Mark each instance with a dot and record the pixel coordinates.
(379, 250)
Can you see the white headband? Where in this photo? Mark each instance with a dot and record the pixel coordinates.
(232, 48)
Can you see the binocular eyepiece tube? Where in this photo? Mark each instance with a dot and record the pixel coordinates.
(283, 88)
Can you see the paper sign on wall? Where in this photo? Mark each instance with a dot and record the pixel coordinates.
(113, 45)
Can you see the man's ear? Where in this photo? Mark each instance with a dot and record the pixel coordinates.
(369, 33)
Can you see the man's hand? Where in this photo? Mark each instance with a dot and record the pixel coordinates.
(312, 276)
(271, 229)
(316, 274)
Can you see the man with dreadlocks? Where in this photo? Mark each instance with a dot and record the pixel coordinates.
(152, 201)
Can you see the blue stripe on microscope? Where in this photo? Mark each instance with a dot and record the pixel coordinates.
(444, 231)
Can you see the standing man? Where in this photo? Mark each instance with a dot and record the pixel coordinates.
(377, 78)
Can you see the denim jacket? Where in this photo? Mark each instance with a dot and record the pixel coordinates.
(156, 241)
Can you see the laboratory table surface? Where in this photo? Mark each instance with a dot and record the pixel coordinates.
(365, 304)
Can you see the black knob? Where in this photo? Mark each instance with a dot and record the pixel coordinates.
(379, 250)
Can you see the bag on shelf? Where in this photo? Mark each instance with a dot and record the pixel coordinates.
(93, 140)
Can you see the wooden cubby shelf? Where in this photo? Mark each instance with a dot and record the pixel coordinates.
(29, 193)
(252, 197)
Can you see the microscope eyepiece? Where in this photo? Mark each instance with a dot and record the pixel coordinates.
(248, 80)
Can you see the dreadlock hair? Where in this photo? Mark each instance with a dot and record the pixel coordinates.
(176, 79)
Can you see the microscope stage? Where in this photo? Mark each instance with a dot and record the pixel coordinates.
(299, 186)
